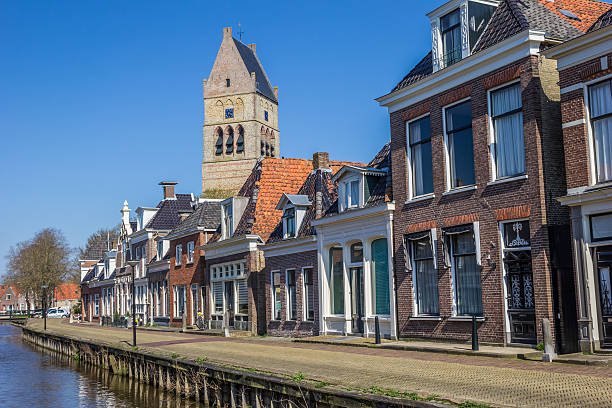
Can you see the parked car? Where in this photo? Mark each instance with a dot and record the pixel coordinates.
(57, 313)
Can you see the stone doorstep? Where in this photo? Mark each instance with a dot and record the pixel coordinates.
(434, 347)
(218, 333)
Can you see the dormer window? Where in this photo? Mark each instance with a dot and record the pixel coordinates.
(450, 26)
(289, 222)
(456, 27)
(228, 220)
(160, 250)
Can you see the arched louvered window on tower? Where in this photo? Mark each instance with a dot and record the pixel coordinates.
(267, 149)
(229, 144)
(263, 148)
(240, 140)
(219, 143)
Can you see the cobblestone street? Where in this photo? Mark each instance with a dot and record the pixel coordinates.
(492, 381)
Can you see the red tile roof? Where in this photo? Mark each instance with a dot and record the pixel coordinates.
(588, 11)
(67, 291)
(269, 179)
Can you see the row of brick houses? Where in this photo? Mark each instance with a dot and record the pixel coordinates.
(492, 199)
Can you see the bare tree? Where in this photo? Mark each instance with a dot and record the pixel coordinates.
(45, 260)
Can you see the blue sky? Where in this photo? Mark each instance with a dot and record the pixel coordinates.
(101, 100)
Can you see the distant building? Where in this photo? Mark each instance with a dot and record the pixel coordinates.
(66, 295)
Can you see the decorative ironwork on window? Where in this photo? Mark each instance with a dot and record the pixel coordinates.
(516, 234)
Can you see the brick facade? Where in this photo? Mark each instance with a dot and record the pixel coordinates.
(301, 326)
(531, 197)
(187, 274)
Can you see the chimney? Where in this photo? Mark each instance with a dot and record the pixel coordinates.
(253, 47)
(320, 161)
(168, 187)
(125, 217)
(227, 32)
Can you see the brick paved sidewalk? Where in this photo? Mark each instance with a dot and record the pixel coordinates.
(493, 381)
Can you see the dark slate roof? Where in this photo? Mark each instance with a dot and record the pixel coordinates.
(252, 65)
(207, 215)
(167, 217)
(514, 16)
(88, 276)
(420, 71)
(603, 21)
(100, 247)
(510, 18)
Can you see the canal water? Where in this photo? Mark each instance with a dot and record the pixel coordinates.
(33, 377)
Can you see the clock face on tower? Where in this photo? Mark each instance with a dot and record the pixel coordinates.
(229, 113)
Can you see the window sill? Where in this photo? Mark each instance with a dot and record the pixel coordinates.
(507, 180)
(420, 198)
(466, 318)
(426, 318)
(460, 190)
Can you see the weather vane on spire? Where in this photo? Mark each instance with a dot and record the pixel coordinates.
(240, 32)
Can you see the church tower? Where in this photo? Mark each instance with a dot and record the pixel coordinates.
(240, 117)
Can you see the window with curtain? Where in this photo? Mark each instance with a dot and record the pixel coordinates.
(600, 100)
(178, 254)
(460, 144)
(508, 143)
(380, 277)
(291, 296)
(190, 251)
(228, 220)
(243, 296)
(276, 296)
(468, 295)
(419, 142)
(450, 26)
(218, 296)
(351, 194)
(309, 295)
(289, 221)
(179, 300)
(336, 280)
(425, 277)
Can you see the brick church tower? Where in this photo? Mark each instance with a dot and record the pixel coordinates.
(240, 117)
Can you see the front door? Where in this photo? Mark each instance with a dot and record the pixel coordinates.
(521, 305)
(357, 299)
(229, 301)
(604, 269)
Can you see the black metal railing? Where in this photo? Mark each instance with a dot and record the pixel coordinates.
(451, 57)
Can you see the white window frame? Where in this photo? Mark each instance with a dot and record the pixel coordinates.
(409, 159)
(177, 310)
(330, 276)
(190, 251)
(287, 303)
(96, 308)
(346, 189)
(178, 255)
(491, 129)
(285, 224)
(160, 249)
(447, 167)
(273, 316)
(434, 245)
(305, 298)
(589, 127)
(227, 234)
(475, 225)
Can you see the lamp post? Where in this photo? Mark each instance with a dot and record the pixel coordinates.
(133, 263)
(44, 288)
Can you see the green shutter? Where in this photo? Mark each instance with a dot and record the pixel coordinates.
(381, 275)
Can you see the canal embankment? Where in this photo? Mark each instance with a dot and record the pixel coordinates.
(211, 384)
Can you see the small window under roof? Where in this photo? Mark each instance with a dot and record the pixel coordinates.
(569, 14)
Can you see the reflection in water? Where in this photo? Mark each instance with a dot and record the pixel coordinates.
(33, 377)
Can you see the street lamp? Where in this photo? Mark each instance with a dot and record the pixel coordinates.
(44, 288)
(133, 263)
